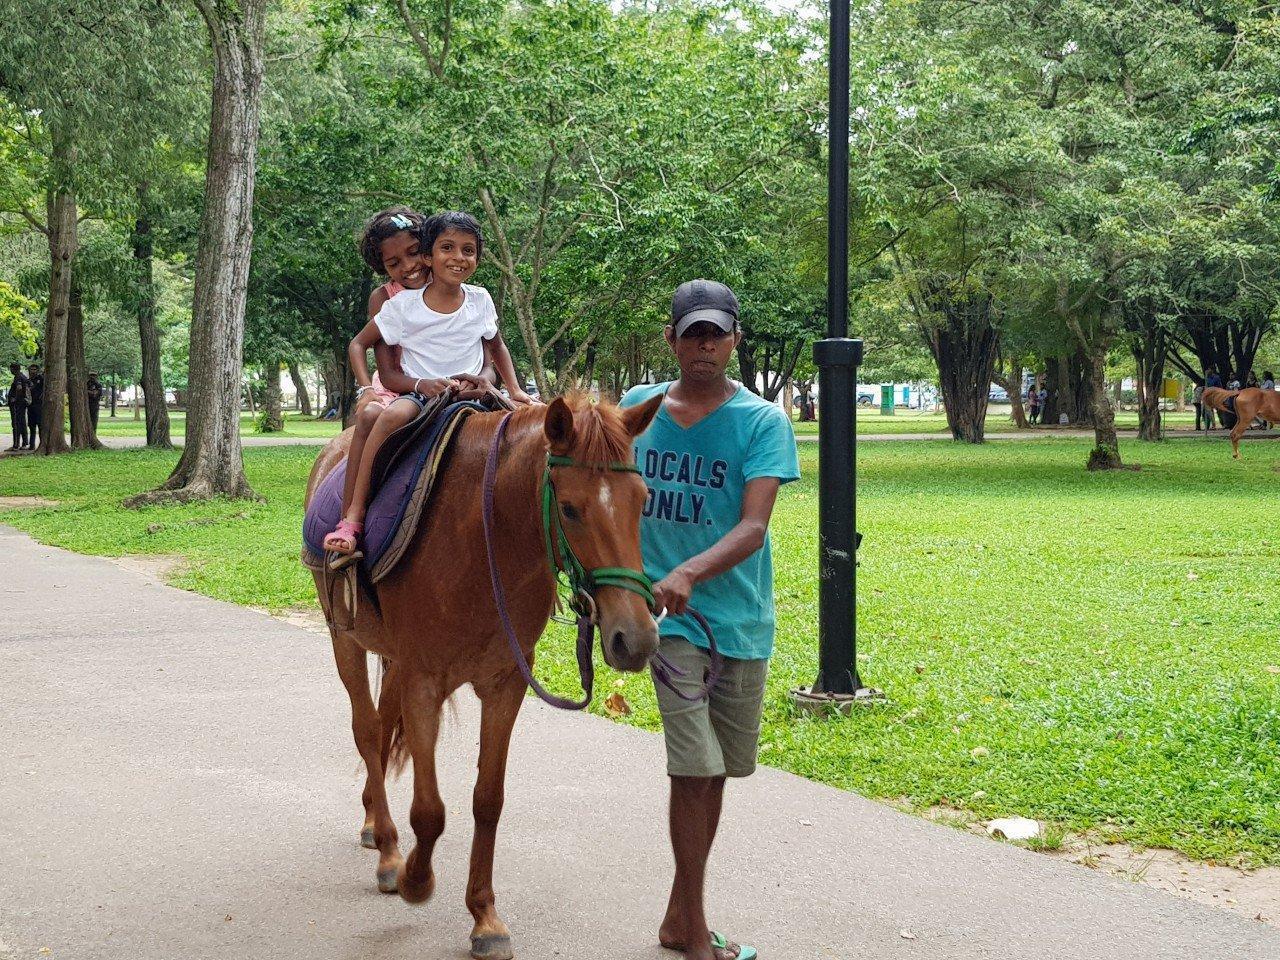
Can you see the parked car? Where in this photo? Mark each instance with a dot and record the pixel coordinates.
(866, 400)
(997, 394)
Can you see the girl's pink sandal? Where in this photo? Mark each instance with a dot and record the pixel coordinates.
(343, 538)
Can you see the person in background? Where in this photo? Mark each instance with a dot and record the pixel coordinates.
(33, 411)
(1033, 405)
(1197, 401)
(95, 400)
(19, 399)
(1268, 380)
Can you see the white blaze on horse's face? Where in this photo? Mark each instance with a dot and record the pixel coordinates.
(601, 515)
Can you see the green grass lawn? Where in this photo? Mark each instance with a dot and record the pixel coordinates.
(871, 421)
(1089, 650)
(295, 425)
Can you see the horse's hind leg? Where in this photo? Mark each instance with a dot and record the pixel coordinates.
(367, 729)
(500, 703)
(1242, 424)
(420, 714)
(388, 714)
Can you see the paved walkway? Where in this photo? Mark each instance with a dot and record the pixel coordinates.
(178, 780)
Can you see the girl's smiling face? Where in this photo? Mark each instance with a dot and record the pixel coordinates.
(455, 256)
(403, 261)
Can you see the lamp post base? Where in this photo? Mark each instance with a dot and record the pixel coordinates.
(806, 700)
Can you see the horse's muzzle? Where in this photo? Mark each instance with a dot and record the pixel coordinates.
(628, 644)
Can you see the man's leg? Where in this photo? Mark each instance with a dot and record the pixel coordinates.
(694, 817)
(18, 418)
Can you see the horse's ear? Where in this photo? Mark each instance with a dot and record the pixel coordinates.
(637, 419)
(559, 426)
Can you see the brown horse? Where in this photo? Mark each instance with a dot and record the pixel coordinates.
(1247, 405)
(437, 624)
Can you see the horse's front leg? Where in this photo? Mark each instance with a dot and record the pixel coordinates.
(500, 703)
(420, 712)
(367, 727)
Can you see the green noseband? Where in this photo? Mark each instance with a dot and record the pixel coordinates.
(581, 582)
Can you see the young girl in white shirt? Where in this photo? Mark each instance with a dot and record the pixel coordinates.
(447, 334)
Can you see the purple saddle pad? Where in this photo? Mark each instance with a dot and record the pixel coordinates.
(389, 502)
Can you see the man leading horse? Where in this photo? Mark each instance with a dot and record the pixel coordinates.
(713, 459)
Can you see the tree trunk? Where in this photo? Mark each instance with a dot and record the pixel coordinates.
(212, 461)
(1106, 451)
(1150, 350)
(964, 347)
(747, 364)
(1012, 384)
(158, 436)
(331, 376)
(137, 388)
(62, 226)
(788, 400)
(83, 436)
(300, 387)
(249, 401)
(345, 386)
(271, 397)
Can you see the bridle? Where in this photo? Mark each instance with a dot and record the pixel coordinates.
(577, 582)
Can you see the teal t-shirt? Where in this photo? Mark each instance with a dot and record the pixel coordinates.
(696, 478)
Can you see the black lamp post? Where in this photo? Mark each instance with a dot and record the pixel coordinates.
(837, 358)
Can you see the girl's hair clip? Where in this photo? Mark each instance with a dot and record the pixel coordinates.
(401, 221)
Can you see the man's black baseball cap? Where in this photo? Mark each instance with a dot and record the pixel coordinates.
(699, 300)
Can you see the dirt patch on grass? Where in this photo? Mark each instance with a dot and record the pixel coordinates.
(1254, 894)
(26, 503)
(156, 567)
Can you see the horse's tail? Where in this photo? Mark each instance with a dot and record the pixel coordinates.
(399, 756)
(1219, 399)
(398, 759)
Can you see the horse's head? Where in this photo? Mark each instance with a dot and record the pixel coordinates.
(601, 508)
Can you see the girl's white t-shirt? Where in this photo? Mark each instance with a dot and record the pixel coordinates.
(434, 345)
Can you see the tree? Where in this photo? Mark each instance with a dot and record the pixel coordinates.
(77, 101)
(212, 460)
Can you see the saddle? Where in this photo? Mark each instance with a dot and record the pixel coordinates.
(404, 474)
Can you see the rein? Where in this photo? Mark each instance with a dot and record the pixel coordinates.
(581, 584)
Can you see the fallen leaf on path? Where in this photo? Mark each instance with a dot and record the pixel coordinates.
(615, 705)
(906, 935)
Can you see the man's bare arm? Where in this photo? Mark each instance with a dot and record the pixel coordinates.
(746, 537)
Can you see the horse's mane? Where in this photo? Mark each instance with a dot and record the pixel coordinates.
(600, 436)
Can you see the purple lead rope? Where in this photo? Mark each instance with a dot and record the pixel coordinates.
(585, 667)
(663, 669)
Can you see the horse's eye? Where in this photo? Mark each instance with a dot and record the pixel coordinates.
(570, 511)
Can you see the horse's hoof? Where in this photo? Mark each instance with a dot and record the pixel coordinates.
(388, 880)
(366, 839)
(495, 946)
(414, 893)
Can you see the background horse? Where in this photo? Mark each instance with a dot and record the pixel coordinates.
(1246, 405)
(437, 623)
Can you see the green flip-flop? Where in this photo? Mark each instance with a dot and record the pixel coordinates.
(744, 952)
